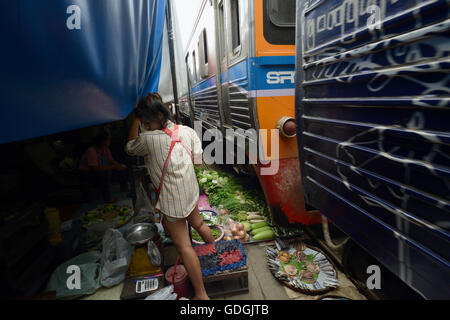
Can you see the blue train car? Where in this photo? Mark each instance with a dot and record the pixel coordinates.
(372, 107)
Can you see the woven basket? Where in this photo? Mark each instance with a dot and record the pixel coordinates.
(306, 291)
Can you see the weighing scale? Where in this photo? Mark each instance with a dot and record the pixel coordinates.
(144, 275)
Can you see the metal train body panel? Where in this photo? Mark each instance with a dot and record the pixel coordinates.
(250, 86)
(372, 106)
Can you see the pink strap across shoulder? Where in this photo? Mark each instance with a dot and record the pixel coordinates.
(174, 140)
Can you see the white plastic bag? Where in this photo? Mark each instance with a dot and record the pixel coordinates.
(163, 294)
(116, 257)
(153, 253)
(144, 208)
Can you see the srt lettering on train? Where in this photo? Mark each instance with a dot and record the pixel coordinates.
(280, 77)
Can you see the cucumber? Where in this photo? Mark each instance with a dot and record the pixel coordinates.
(259, 225)
(264, 235)
(256, 231)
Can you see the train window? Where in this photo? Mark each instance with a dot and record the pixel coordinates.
(202, 55)
(222, 31)
(205, 46)
(279, 21)
(188, 70)
(235, 26)
(282, 12)
(200, 59)
(194, 60)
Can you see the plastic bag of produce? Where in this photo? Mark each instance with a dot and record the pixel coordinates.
(77, 277)
(234, 230)
(92, 239)
(116, 256)
(144, 208)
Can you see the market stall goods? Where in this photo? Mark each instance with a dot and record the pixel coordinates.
(223, 256)
(284, 257)
(217, 232)
(302, 268)
(210, 217)
(146, 259)
(236, 204)
(109, 216)
(109, 212)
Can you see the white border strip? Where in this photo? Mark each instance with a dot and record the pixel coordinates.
(271, 93)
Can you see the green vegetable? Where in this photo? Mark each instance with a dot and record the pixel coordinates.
(215, 232)
(233, 194)
(264, 235)
(109, 207)
(247, 226)
(256, 231)
(259, 225)
(242, 216)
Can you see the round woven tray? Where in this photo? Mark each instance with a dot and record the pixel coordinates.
(130, 218)
(306, 291)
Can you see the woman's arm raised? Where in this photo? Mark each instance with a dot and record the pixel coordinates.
(134, 130)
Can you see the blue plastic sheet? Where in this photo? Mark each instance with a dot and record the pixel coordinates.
(72, 64)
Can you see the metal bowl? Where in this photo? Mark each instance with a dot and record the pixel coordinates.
(141, 233)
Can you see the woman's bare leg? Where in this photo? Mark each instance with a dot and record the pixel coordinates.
(180, 237)
(202, 228)
(164, 224)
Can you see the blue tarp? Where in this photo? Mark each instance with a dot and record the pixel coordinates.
(73, 64)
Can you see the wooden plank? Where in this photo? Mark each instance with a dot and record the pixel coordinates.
(226, 275)
(226, 287)
(225, 293)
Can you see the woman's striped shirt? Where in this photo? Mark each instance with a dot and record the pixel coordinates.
(180, 191)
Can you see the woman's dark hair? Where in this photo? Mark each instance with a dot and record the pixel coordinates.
(101, 138)
(150, 107)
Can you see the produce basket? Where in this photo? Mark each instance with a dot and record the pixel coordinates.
(302, 268)
(119, 214)
(97, 222)
(219, 238)
(210, 217)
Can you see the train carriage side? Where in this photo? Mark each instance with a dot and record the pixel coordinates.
(273, 86)
(249, 84)
(372, 105)
(201, 101)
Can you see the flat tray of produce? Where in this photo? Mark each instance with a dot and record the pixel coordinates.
(121, 213)
(301, 268)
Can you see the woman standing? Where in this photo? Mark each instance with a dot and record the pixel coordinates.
(96, 166)
(170, 152)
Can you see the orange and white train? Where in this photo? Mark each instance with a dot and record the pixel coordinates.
(240, 62)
